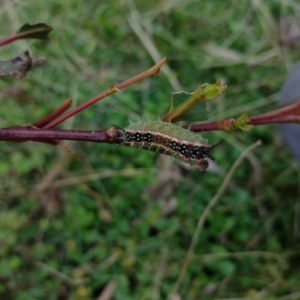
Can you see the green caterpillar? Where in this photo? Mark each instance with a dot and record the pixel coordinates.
(170, 139)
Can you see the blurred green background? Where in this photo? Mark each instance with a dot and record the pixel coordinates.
(121, 221)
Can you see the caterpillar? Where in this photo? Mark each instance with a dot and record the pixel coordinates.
(168, 139)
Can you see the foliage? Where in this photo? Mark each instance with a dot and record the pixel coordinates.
(69, 228)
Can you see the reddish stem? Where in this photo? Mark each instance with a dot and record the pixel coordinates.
(22, 35)
(152, 71)
(288, 114)
(60, 110)
(8, 39)
(204, 127)
(226, 124)
(21, 134)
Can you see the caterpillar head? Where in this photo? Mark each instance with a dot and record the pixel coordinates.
(211, 147)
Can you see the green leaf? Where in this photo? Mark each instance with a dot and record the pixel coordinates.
(35, 31)
(211, 91)
(193, 106)
(18, 66)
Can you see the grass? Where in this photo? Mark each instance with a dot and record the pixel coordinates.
(123, 220)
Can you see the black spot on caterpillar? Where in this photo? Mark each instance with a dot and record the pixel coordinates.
(168, 139)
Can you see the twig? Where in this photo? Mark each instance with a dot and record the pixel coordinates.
(154, 70)
(288, 114)
(20, 134)
(53, 115)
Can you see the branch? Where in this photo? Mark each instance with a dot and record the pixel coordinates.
(152, 71)
(54, 114)
(29, 133)
(288, 114)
